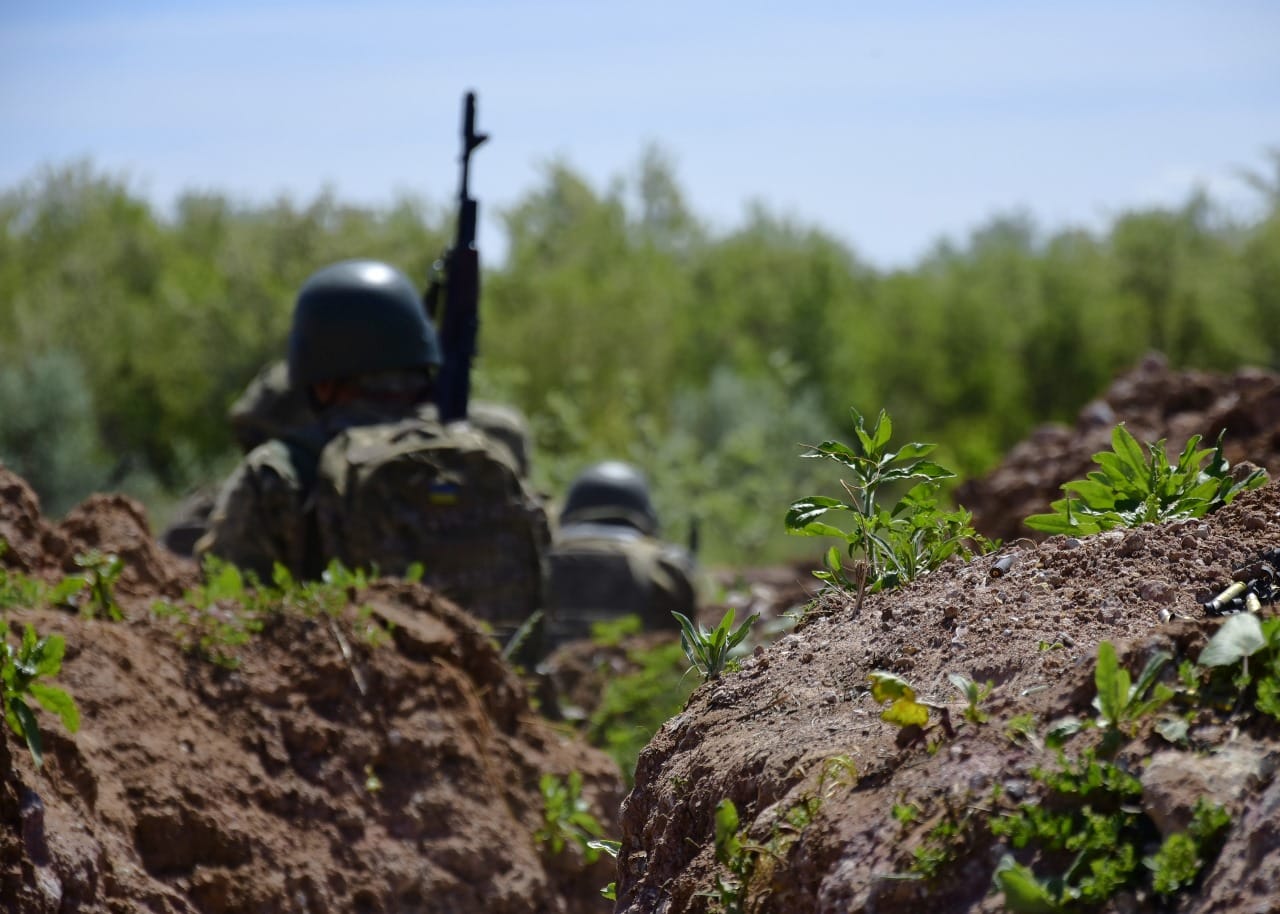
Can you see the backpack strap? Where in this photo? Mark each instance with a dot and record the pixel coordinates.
(304, 445)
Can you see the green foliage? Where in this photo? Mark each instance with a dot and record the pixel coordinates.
(21, 670)
(709, 651)
(100, 575)
(1131, 490)
(894, 545)
(127, 328)
(974, 694)
(612, 848)
(567, 818)
(749, 862)
(1243, 657)
(48, 434)
(1180, 858)
(635, 704)
(903, 708)
(1090, 818)
(220, 616)
(612, 632)
(1119, 701)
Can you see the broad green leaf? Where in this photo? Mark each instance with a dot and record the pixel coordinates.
(67, 588)
(30, 729)
(1149, 673)
(728, 844)
(1112, 681)
(1093, 493)
(1023, 892)
(54, 699)
(883, 431)
(1060, 730)
(610, 847)
(1054, 523)
(1126, 447)
(48, 655)
(1240, 636)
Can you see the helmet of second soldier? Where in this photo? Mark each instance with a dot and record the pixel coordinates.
(358, 317)
(611, 492)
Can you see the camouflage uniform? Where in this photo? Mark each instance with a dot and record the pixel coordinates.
(271, 407)
(300, 499)
(607, 560)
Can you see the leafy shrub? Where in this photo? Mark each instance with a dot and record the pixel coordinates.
(21, 670)
(48, 434)
(890, 546)
(1131, 489)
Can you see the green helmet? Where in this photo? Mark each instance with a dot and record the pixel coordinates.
(610, 492)
(358, 317)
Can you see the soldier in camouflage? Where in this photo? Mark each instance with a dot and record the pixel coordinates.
(375, 479)
(270, 407)
(607, 560)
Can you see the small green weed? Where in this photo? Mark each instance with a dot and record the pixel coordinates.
(974, 694)
(889, 545)
(837, 772)
(1131, 489)
(1180, 858)
(612, 848)
(1244, 659)
(709, 651)
(21, 669)
(906, 813)
(101, 571)
(219, 617)
(566, 818)
(1119, 701)
(748, 862)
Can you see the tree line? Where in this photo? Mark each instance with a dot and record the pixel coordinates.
(619, 322)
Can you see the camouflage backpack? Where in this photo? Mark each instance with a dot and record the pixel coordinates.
(407, 492)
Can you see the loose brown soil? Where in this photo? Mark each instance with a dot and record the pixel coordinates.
(765, 737)
(191, 788)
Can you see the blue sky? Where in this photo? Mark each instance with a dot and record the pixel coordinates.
(888, 124)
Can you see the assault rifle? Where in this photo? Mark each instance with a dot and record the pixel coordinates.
(458, 322)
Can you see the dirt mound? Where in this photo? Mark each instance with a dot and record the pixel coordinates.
(796, 741)
(378, 758)
(1153, 402)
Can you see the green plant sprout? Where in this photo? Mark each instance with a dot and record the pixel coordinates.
(889, 546)
(748, 861)
(20, 672)
(566, 817)
(1120, 702)
(101, 573)
(709, 651)
(1131, 489)
(974, 694)
(612, 848)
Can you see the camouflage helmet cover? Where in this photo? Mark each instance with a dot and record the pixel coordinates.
(610, 492)
(358, 317)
